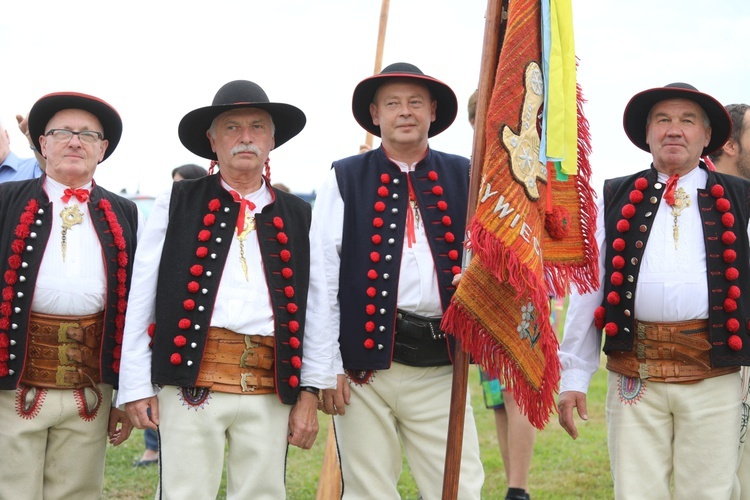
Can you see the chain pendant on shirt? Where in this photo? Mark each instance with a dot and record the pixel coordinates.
(70, 215)
(415, 211)
(681, 202)
(248, 227)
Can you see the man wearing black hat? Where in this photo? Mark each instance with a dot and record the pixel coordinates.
(66, 247)
(237, 323)
(673, 304)
(394, 225)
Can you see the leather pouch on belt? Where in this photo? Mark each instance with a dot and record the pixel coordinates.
(419, 341)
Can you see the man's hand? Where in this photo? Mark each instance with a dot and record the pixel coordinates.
(303, 421)
(335, 400)
(23, 126)
(139, 416)
(119, 427)
(567, 401)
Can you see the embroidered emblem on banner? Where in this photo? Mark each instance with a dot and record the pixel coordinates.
(523, 147)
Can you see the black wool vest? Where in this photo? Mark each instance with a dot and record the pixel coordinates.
(24, 232)
(202, 218)
(376, 202)
(630, 205)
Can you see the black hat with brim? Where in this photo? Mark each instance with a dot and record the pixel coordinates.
(637, 110)
(364, 94)
(45, 108)
(288, 120)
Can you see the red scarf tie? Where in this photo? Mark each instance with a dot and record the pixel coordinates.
(82, 195)
(669, 191)
(244, 205)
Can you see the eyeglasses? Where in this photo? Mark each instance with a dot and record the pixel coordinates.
(64, 135)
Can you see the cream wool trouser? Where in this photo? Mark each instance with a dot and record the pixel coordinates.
(54, 453)
(407, 406)
(192, 441)
(742, 484)
(657, 431)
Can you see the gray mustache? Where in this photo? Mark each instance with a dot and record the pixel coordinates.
(242, 148)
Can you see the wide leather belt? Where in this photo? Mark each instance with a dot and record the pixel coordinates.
(419, 341)
(237, 363)
(63, 352)
(668, 352)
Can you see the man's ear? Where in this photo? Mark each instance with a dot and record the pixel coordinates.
(730, 148)
(374, 114)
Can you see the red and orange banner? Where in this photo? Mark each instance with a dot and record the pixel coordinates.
(531, 235)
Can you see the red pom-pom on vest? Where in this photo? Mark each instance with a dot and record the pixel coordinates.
(735, 342)
(610, 329)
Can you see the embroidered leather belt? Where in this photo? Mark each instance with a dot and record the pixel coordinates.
(63, 351)
(668, 352)
(238, 364)
(419, 341)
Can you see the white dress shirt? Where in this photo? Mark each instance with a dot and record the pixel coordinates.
(76, 285)
(672, 283)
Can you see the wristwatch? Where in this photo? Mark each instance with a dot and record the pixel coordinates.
(311, 389)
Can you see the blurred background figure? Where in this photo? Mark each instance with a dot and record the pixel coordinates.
(150, 437)
(188, 171)
(12, 167)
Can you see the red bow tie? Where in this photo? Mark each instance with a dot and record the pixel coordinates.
(669, 190)
(82, 195)
(244, 205)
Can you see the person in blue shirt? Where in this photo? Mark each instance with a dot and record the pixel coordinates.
(13, 168)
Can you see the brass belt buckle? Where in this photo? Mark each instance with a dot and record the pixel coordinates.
(62, 333)
(643, 371)
(62, 354)
(60, 376)
(640, 351)
(641, 331)
(245, 386)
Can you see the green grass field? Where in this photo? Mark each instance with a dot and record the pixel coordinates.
(561, 468)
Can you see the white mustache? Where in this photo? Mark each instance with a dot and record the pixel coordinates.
(243, 148)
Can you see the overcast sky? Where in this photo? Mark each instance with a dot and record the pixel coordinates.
(155, 61)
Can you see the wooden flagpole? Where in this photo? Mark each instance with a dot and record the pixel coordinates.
(329, 484)
(493, 39)
(379, 52)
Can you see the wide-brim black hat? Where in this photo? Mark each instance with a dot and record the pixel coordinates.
(364, 94)
(45, 108)
(288, 120)
(637, 110)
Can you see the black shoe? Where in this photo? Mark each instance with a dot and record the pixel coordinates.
(517, 494)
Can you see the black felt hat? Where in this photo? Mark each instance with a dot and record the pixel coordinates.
(45, 108)
(637, 110)
(364, 93)
(288, 120)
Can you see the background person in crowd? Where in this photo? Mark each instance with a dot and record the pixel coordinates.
(515, 434)
(150, 436)
(188, 171)
(66, 247)
(734, 156)
(392, 222)
(238, 323)
(12, 167)
(674, 264)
